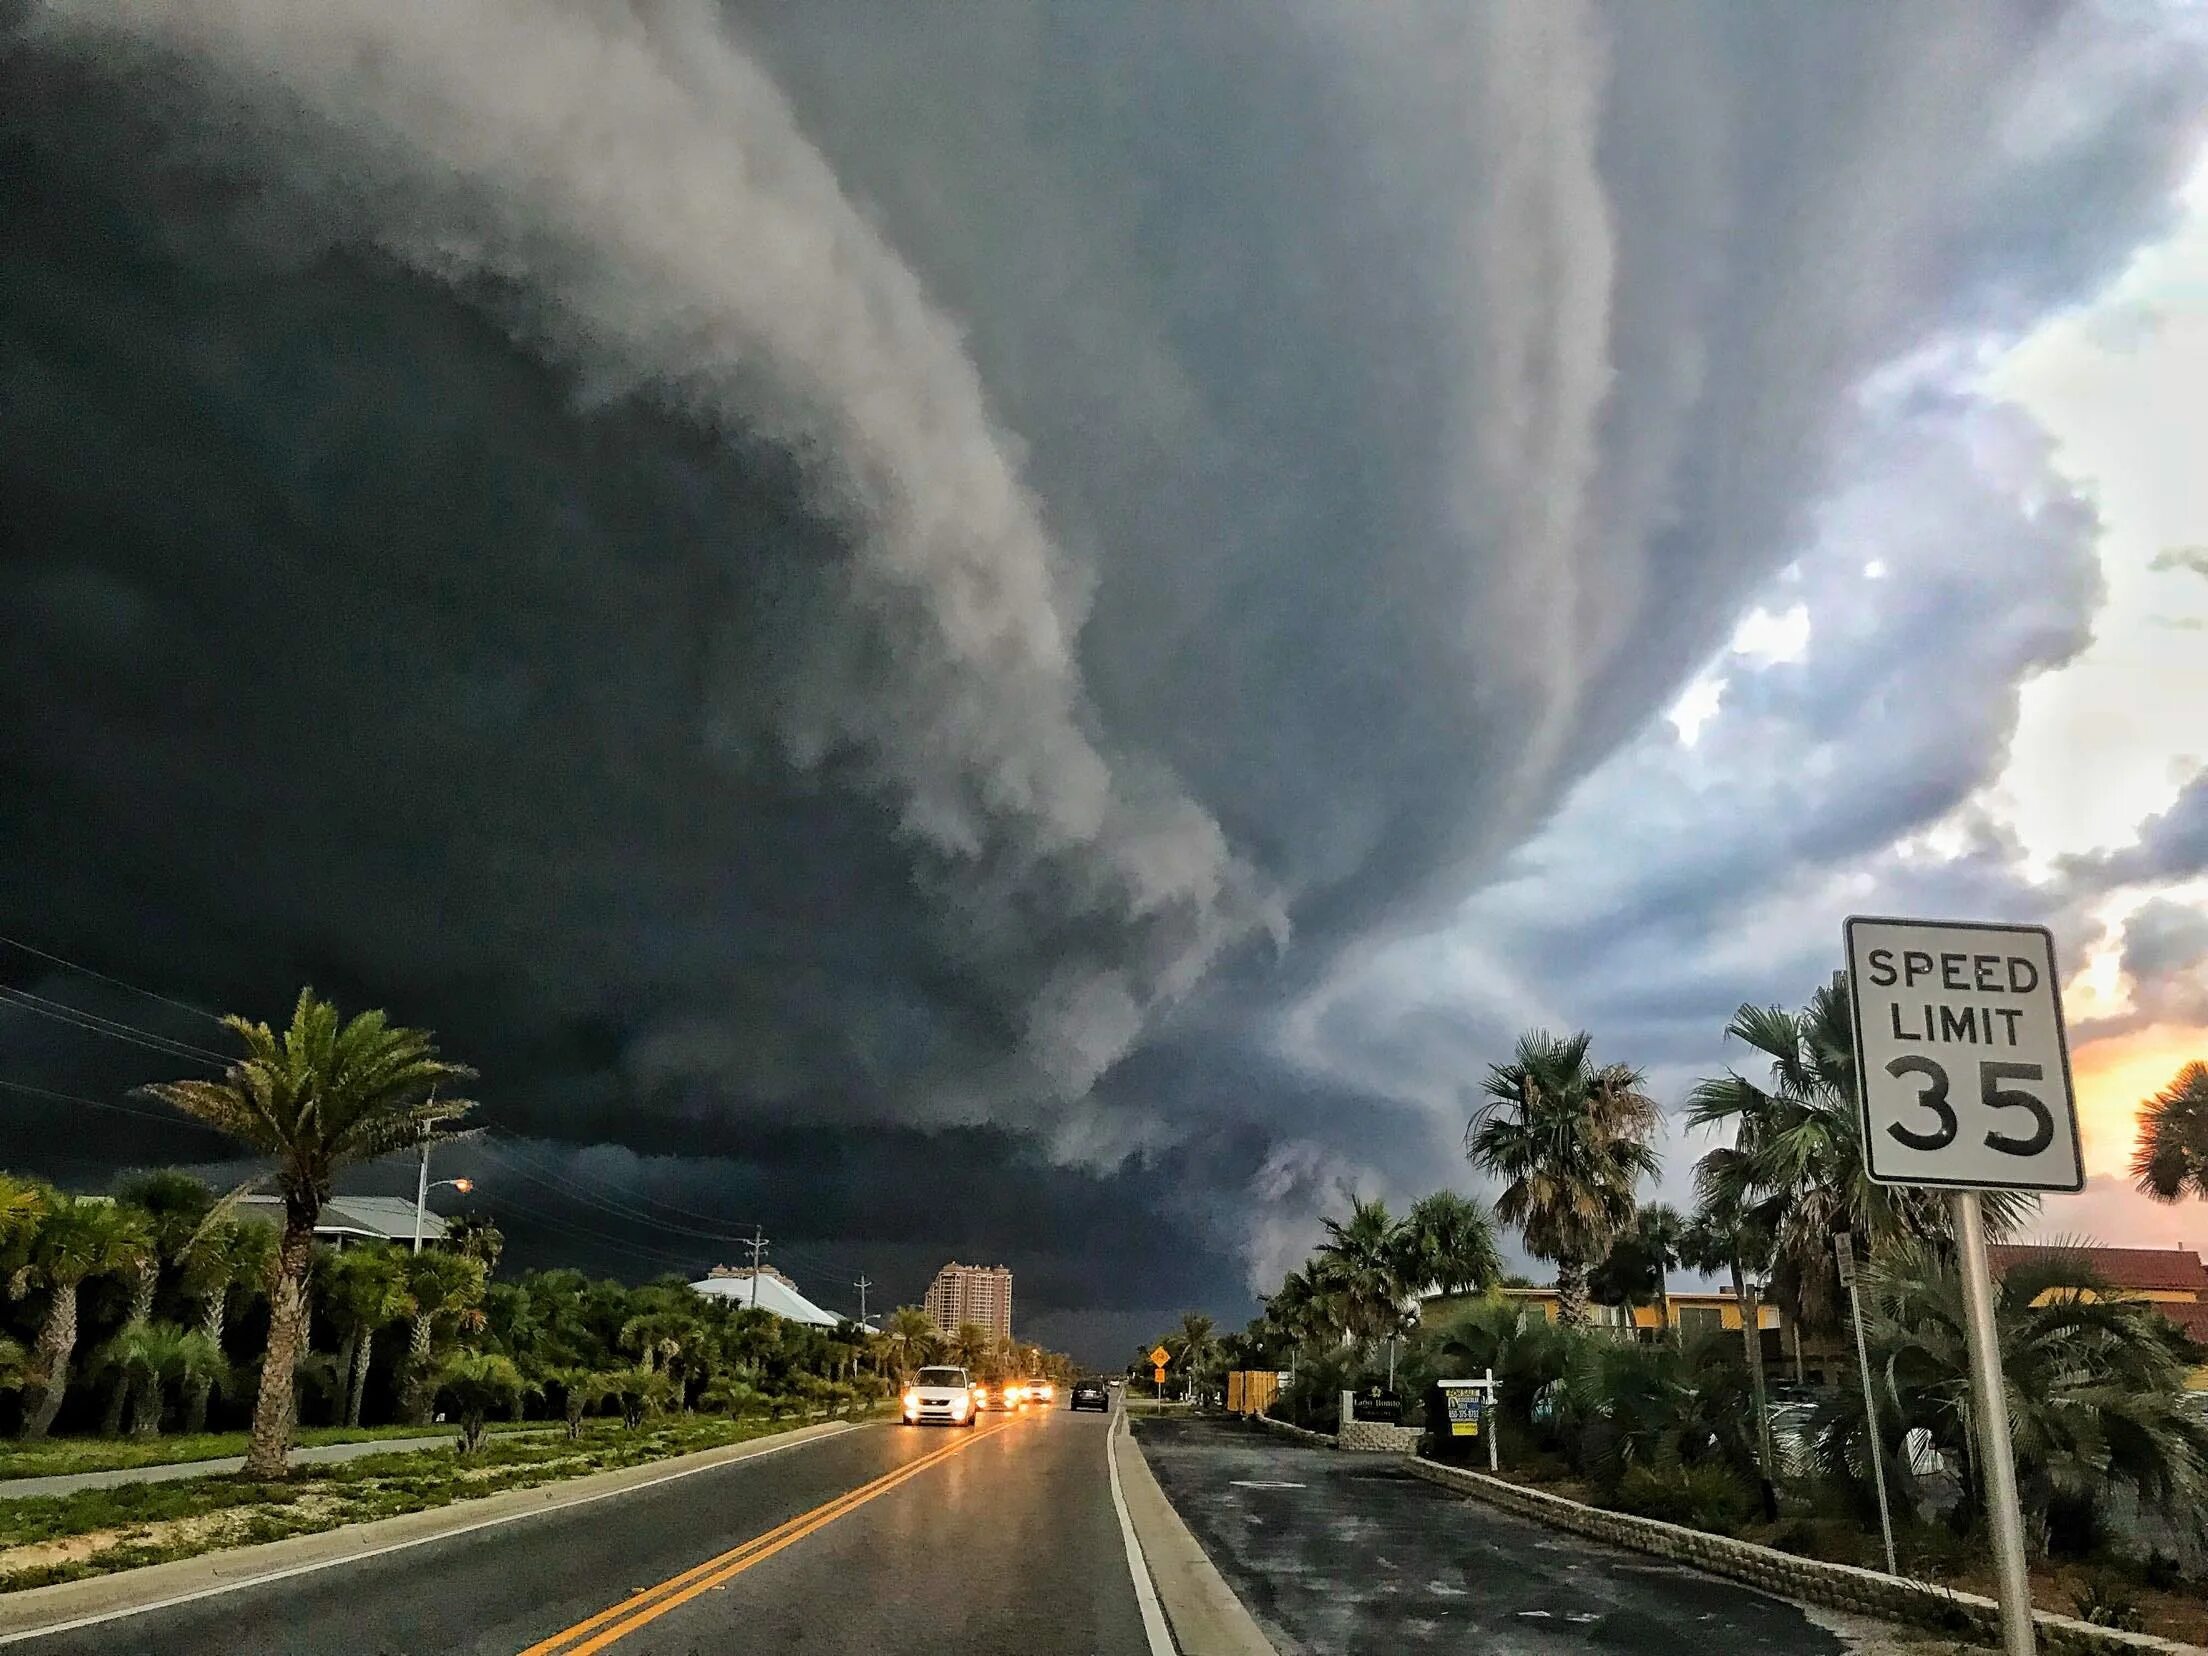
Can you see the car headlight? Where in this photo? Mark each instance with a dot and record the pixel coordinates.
(958, 1408)
(912, 1400)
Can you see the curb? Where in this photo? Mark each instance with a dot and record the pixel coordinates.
(1206, 1618)
(1788, 1575)
(37, 1612)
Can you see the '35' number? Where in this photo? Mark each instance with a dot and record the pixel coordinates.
(1991, 1074)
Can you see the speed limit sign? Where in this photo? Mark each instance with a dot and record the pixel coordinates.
(1963, 1068)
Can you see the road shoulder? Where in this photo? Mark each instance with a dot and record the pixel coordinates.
(71, 1604)
(1206, 1617)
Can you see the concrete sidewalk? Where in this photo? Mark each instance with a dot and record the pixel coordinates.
(69, 1483)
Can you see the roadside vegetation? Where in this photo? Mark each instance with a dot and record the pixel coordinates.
(2111, 1447)
(137, 1320)
(46, 1539)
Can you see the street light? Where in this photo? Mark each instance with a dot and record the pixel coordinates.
(422, 1188)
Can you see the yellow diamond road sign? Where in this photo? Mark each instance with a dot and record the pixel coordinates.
(1160, 1357)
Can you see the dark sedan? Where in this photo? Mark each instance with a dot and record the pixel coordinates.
(1091, 1394)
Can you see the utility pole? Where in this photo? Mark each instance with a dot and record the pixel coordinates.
(421, 1196)
(862, 1285)
(758, 1247)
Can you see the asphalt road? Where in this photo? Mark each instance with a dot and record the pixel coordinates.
(1344, 1553)
(999, 1540)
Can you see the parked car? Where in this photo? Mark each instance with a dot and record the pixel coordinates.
(1091, 1394)
(942, 1397)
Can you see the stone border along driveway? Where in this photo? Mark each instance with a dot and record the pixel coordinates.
(1841, 1586)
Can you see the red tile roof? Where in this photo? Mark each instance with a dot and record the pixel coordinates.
(2171, 1270)
(2193, 1318)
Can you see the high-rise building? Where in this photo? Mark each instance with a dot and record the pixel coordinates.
(972, 1294)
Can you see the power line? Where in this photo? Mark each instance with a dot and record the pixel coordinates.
(618, 1206)
(165, 1000)
(118, 1024)
(92, 1024)
(102, 1104)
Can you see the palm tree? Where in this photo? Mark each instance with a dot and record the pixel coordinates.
(1724, 1236)
(910, 1335)
(75, 1240)
(365, 1290)
(148, 1355)
(970, 1345)
(2095, 1383)
(1570, 1138)
(1796, 1161)
(474, 1235)
(1195, 1347)
(477, 1383)
(1358, 1265)
(322, 1094)
(1447, 1246)
(2171, 1156)
(226, 1257)
(1634, 1273)
(445, 1291)
(173, 1205)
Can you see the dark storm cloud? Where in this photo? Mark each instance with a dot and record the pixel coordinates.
(2164, 962)
(842, 577)
(2172, 845)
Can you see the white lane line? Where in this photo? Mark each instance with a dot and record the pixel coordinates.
(1146, 1592)
(291, 1570)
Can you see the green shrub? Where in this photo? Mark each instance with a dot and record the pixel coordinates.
(2104, 1604)
(1705, 1497)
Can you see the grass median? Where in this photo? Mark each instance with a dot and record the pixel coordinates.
(62, 1456)
(50, 1538)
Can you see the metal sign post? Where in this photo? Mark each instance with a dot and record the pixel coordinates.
(1993, 1429)
(1843, 1247)
(1963, 1078)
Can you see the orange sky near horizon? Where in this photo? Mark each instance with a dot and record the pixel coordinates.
(2114, 1077)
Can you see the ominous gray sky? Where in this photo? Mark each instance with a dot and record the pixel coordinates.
(1016, 629)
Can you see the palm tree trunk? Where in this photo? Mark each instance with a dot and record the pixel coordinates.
(1663, 1308)
(57, 1339)
(267, 1453)
(212, 1308)
(417, 1373)
(144, 1280)
(1571, 1291)
(145, 1414)
(356, 1386)
(1751, 1339)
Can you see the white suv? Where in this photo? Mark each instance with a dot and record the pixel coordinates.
(941, 1396)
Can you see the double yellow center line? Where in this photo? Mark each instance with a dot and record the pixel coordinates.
(639, 1609)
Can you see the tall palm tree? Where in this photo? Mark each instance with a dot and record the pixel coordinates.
(1447, 1246)
(174, 1205)
(324, 1093)
(970, 1345)
(1723, 1235)
(75, 1240)
(1796, 1160)
(1358, 1265)
(445, 1293)
(365, 1291)
(2171, 1156)
(910, 1333)
(1570, 1138)
(227, 1258)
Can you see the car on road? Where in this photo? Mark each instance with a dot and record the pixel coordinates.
(1005, 1394)
(1041, 1393)
(942, 1396)
(1091, 1394)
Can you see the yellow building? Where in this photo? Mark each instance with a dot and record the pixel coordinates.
(1788, 1353)
(2172, 1280)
